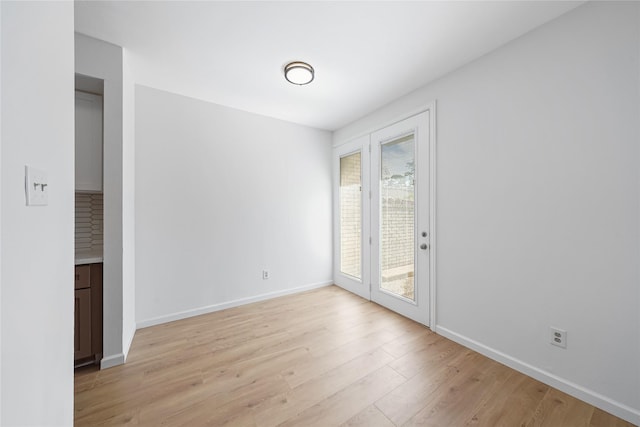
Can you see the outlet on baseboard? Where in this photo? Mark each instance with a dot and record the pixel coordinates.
(558, 337)
(265, 274)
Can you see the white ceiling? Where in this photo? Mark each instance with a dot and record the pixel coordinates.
(365, 54)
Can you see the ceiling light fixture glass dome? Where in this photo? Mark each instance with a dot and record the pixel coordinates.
(299, 73)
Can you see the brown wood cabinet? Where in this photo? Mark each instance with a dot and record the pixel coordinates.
(88, 314)
(82, 341)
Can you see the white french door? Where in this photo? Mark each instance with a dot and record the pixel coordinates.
(400, 218)
(352, 251)
(383, 217)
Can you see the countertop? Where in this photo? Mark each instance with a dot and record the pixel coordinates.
(89, 256)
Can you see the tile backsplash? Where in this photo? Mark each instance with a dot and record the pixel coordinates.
(89, 220)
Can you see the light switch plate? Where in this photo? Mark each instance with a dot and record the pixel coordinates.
(36, 187)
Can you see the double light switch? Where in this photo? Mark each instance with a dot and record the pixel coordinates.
(36, 187)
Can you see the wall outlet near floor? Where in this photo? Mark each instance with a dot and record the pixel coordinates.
(558, 337)
(265, 274)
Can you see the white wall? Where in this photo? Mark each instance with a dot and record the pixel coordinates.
(0, 213)
(106, 61)
(128, 205)
(222, 194)
(37, 242)
(538, 202)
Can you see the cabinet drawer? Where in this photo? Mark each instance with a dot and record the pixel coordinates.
(83, 276)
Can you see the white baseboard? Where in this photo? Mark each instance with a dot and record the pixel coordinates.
(603, 402)
(230, 304)
(110, 361)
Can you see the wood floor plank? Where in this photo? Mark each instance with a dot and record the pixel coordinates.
(342, 406)
(510, 402)
(451, 404)
(128, 418)
(252, 369)
(433, 353)
(369, 417)
(411, 342)
(324, 357)
(106, 398)
(222, 409)
(289, 404)
(558, 408)
(301, 373)
(409, 398)
(600, 418)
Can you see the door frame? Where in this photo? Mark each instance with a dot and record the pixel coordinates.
(430, 109)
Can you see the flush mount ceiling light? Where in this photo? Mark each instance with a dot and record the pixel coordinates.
(298, 73)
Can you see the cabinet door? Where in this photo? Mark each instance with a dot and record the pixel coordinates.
(82, 315)
(88, 142)
(83, 276)
(96, 309)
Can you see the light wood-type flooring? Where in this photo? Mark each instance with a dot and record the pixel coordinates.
(319, 358)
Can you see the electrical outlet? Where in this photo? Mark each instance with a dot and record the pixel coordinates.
(558, 337)
(265, 274)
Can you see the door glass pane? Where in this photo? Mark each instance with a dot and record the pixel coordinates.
(397, 217)
(350, 215)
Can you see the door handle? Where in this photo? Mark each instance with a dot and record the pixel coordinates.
(424, 246)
